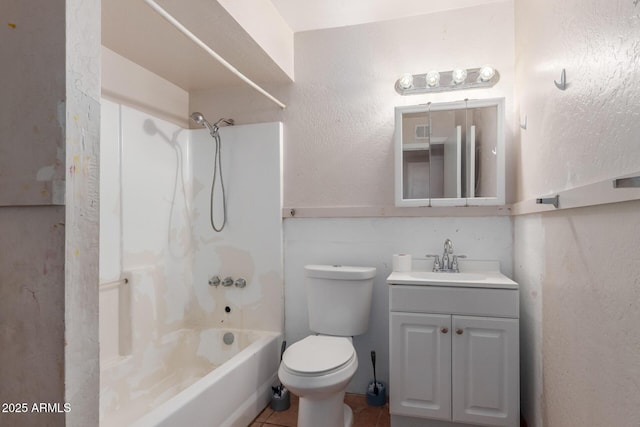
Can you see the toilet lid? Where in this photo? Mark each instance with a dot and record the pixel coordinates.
(317, 354)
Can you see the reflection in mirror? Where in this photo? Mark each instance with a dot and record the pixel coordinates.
(450, 154)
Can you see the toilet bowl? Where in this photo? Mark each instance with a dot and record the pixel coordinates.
(318, 369)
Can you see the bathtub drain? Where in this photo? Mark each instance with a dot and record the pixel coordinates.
(228, 338)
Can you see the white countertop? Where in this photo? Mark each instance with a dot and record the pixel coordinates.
(473, 274)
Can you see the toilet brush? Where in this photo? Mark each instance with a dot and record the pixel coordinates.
(280, 399)
(376, 395)
(375, 380)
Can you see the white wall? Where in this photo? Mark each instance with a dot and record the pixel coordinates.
(372, 242)
(578, 269)
(126, 82)
(261, 20)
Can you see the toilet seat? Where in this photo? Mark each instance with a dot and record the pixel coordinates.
(318, 355)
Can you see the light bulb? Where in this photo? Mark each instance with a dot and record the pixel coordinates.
(486, 73)
(458, 75)
(433, 78)
(406, 81)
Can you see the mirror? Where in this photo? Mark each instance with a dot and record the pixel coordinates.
(450, 154)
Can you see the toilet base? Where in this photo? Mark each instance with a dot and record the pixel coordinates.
(329, 411)
(348, 416)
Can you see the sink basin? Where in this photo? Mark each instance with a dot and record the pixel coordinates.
(431, 276)
(475, 279)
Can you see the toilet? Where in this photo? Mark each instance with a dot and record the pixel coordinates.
(319, 367)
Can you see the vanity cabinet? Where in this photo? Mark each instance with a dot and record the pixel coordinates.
(453, 356)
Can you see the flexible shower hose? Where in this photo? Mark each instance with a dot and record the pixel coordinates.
(217, 169)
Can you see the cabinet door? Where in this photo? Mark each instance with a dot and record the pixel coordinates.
(420, 365)
(485, 371)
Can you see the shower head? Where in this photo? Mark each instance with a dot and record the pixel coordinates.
(198, 118)
(225, 122)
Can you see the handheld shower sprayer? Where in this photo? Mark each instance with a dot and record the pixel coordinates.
(199, 119)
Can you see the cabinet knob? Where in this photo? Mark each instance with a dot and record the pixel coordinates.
(459, 331)
(444, 330)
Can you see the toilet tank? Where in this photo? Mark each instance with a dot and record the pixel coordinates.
(339, 298)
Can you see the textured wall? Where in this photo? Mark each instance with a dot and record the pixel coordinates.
(340, 128)
(32, 311)
(32, 112)
(82, 214)
(590, 131)
(32, 117)
(529, 270)
(339, 122)
(578, 269)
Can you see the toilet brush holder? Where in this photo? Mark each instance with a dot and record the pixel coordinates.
(379, 398)
(280, 399)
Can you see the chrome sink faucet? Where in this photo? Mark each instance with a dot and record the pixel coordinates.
(448, 264)
(448, 250)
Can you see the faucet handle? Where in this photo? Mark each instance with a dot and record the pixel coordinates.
(454, 263)
(436, 263)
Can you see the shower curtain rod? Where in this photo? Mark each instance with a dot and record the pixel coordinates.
(169, 18)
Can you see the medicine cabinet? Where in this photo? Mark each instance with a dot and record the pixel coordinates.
(450, 154)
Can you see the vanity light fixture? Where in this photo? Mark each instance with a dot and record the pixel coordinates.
(458, 76)
(442, 81)
(406, 81)
(433, 78)
(486, 73)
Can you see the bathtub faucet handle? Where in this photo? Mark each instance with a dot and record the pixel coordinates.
(227, 281)
(240, 282)
(214, 281)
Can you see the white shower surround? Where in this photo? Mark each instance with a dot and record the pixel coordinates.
(156, 232)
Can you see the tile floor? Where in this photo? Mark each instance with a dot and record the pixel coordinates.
(363, 414)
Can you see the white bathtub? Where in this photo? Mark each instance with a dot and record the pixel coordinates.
(197, 381)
